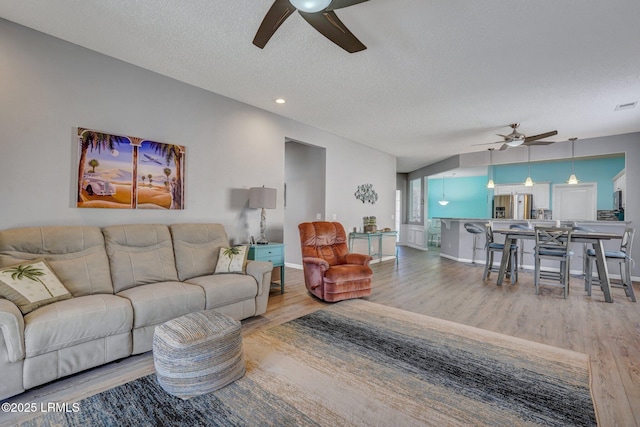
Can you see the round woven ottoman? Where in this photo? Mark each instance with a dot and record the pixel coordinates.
(198, 353)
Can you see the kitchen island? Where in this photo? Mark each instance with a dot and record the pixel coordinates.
(457, 242)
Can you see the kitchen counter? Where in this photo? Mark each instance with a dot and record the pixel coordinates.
(457, 242)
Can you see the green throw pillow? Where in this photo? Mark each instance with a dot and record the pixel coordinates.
(30, 285)
(232, 260)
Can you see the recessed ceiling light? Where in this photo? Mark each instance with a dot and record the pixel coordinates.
(280, 101)
(626, 106)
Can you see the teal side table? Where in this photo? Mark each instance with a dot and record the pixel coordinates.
(272, 252)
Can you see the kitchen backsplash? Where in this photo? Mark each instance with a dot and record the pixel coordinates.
(607, 215)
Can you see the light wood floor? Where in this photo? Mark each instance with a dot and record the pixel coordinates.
(422, 282)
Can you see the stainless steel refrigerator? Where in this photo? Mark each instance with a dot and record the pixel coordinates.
(513, 206)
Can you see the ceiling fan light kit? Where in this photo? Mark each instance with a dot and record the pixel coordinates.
(310, 6)
(515, 142)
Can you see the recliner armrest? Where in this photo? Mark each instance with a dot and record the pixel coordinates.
(12, 327)
(360, 259)
(312, 261)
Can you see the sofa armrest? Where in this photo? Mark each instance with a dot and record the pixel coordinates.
(360, 259)
(261, 271)
(12, 327)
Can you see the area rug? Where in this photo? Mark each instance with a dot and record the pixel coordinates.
(358, 363)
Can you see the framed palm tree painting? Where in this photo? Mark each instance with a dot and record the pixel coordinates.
(126, 172)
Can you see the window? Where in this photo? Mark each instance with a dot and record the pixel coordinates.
(415, 201)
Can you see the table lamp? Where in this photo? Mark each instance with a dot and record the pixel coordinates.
(263, 198)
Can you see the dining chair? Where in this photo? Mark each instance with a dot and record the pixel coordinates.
(476, 230)
(491, 248)
(552, 243)
(622, 257)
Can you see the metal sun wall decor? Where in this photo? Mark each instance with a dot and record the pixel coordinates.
(366, 193)
(125, 172)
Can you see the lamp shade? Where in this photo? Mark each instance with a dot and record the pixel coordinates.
(261, 197)
(310, 6)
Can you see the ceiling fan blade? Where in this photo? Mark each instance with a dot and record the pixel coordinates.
(339, 4)
(541, 136)
(280, 10)
(329, 25)
(504, 147)
(539, 143)
(488, 143)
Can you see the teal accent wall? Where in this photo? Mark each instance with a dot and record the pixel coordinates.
(469, 198)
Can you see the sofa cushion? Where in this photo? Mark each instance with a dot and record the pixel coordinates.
(30, 285)
(139, 254)
(158, 302)
(196, 248)
(76, 254)
(225, 289)
(75, 321)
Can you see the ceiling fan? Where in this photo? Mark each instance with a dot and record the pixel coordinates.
(515, 138)
(319, 13)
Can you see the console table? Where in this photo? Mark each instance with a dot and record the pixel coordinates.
(375, 238)
(272, 252)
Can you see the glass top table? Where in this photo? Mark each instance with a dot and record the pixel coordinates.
(375, 238)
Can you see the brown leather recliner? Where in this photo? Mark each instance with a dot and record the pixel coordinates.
(330, 272)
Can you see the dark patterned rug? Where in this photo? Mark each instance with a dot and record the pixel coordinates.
(358, 363)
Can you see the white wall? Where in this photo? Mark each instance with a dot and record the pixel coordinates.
(49, 87)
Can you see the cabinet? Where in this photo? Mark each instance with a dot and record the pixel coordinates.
(272, 252)
(540, 196)
(415, 236)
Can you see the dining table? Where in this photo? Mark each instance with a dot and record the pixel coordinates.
(595, 239)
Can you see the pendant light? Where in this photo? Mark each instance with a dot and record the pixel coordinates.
(572, 178)
(443, 201)
(491, 184)
(529, 182)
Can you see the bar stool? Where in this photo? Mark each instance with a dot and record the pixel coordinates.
(622, 257)
(474, 229)
(491, 247)
(585, 246)
(521, 244)
(552, 243)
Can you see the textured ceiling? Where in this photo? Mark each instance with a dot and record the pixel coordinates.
(437, 77)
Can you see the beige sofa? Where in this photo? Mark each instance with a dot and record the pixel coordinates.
(124, 280)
